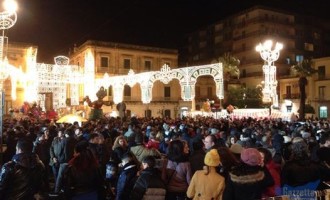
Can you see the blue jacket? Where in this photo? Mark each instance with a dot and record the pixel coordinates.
(126, 181)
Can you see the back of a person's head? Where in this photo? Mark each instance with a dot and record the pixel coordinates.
(198, 144)
(175, 150)
(267, 154)
(299, 149)
(69, 132)
(81, 146)
(150, 160)
(128, 156)
(25, 145)
(138, 138)
(324, 137)
(84, 159)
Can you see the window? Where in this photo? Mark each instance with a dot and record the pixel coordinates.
(309, 47)
(147, 113)
(209, 92)
(104, 61)
(288, 60)
(288, 91)
(323, 112)
(147, 65)
(167, 113)
(321, 72)
(167, 92)
(127, 63)
(299, 58)
(202, 44)
(321, 92)
(110, 91)
(128, 113)
(127, 91)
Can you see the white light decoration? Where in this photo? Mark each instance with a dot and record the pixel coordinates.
(62, 79)
(270, 83)
(56, 79)
(187, 77)
(61, 60)
(8, 18)
(89, 75)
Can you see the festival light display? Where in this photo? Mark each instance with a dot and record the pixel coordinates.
(269, 55)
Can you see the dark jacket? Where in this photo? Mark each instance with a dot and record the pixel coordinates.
(118, 153)
(149, 179)
(77, 182)
(41, 148)
(197, 160)
(247, 183)
(300, 172)
(126, 181)
(22, 177)
(58, 151)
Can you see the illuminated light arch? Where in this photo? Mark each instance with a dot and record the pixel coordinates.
(186, 76)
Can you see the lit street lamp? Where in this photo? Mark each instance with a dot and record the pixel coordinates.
(7, 20)
(270, 83)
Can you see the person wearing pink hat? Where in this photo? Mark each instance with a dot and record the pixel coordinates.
(248, 180)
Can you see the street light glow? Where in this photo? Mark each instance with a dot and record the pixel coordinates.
(10, 6)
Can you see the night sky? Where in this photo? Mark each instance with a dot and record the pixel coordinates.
(56, 25)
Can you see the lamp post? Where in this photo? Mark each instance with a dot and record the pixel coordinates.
(269, 55)
(7, 20)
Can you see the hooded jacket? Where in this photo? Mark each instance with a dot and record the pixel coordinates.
(22, 177)
(247, 182)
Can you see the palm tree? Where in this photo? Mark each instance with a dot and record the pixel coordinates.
(230, 68)
(303, 69)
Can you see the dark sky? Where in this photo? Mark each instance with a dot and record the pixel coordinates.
(56, 25)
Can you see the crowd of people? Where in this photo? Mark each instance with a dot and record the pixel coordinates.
(163, 158)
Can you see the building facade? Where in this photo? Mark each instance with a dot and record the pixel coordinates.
(239, 34)
(115, 59)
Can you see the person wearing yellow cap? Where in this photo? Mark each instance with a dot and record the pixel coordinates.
(207, 183)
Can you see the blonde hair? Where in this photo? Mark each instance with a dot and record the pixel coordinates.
(116, 143)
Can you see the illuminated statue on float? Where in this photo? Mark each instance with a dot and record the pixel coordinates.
(206, 106)
(97, 112)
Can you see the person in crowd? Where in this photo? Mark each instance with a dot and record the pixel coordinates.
(58, 155)
(177, 175)
(149, 184)
(127, 177)
(24, 176)
(111, 178)
(210, 142)
(82, 178)
(153, 141)
(119, 148)
(207, 183)
(236, 149)
(299, 170)
(97, 146)
(248, 180)
(275, 171)
(140, 151)
(196, 159)
(228, 161)
(41, 147)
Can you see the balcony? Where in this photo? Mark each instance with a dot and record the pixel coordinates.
(291, 96)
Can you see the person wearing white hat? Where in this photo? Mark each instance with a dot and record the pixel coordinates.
(207, 183)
